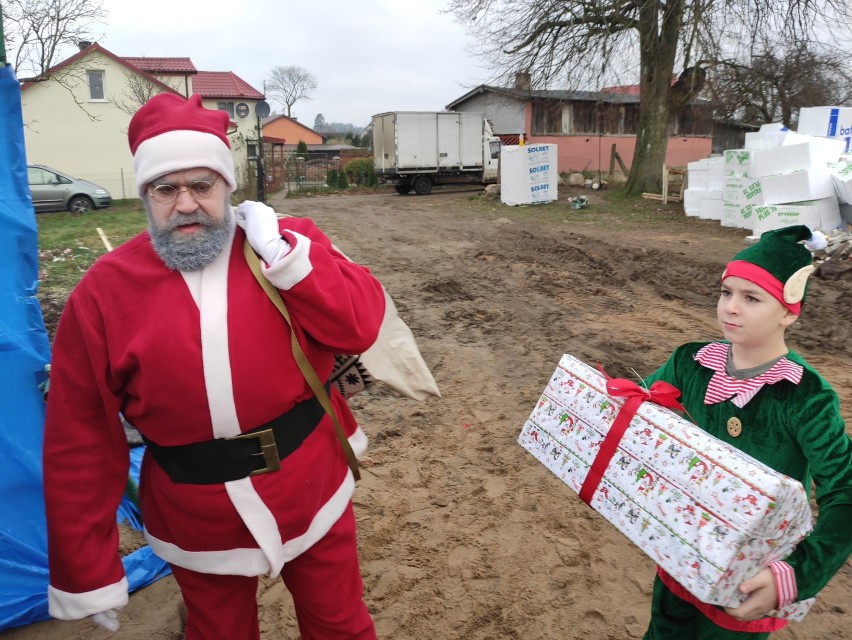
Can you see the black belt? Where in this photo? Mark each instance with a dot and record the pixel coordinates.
(252, 453)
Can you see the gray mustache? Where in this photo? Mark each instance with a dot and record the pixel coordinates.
(184, 219)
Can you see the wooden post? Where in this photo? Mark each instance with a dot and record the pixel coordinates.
(665, 184)
(612, 155)
(104, 239)
(620, 161)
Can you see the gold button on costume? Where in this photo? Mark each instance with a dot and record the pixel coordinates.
(735, 427)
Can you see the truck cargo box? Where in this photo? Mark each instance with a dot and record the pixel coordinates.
(427, 141)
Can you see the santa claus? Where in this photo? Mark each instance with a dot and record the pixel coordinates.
(244, 474)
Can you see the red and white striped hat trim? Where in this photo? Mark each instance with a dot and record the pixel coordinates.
(722, 386)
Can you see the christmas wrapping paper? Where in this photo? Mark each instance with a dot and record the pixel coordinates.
(703, 510)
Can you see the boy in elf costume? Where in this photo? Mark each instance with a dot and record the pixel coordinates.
(755, 393)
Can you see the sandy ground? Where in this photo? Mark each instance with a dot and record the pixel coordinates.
(463, 534)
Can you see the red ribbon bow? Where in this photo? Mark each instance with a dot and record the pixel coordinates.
(661, 393)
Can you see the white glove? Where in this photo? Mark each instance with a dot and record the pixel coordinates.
(107, 619)
(261, 226)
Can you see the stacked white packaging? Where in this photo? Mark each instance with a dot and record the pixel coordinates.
(528, 174)
(705, 181)
(827, 122)
(781, 178)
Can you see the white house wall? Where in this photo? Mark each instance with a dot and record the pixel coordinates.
(89, 140)
(246, 132)
(505, 113)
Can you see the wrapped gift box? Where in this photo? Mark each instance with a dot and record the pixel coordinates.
(706, 512)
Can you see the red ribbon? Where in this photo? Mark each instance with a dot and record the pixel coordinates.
(661, 393)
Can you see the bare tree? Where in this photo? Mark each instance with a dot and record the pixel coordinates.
(778, 81)
(138, 90)
(290, 84)
(593, 42)
(37, 31)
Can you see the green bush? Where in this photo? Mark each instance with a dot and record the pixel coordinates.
(331, 178)
(342, 181)
(336, 179)
(360, 172)
(302, 150)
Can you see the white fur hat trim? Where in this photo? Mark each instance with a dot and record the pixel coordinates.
(179, 150)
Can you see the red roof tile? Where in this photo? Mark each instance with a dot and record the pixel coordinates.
(96, 48)
(163, 65)
(630, 89)
(223, 84)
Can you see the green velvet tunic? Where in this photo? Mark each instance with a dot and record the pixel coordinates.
(795, 429)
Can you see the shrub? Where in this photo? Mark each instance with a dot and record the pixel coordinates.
(331, 178)
(360, 172)
(342, 182)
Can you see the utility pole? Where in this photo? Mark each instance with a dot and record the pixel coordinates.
(261, 188)
(261, 110)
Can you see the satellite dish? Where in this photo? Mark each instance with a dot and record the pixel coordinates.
(262, 109)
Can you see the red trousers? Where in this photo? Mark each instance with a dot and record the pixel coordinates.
(325, 583)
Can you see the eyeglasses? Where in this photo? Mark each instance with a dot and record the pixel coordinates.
(168, 193)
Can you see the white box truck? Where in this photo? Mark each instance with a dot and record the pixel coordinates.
(414, 150)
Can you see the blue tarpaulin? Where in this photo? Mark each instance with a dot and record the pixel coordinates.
(24, 352)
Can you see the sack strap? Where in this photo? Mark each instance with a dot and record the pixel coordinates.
(302, 360)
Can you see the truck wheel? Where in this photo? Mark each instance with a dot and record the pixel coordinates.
(422, 186)
(403, 189)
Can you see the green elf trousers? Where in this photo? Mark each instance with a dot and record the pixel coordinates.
(673, 618)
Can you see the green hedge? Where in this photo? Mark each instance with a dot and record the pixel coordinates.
(360, 172)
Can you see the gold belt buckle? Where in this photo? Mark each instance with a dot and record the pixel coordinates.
(268, 449)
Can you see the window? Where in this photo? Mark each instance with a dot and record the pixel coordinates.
(547, 117)
(693, 121)
(37, 176)
(584, 117)
(96, 85)
(227, 107)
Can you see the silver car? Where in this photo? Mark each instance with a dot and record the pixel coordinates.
(52, 190)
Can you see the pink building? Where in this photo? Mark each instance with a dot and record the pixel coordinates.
(586, 126)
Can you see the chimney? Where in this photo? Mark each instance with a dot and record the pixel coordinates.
(523, 81)
(84, 44)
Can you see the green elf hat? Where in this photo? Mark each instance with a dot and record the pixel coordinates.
(779, 263)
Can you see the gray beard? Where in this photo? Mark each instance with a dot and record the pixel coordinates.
(191, 253)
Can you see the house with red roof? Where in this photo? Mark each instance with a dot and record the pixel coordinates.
(76, 119)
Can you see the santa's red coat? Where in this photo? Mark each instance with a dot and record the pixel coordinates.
(187, 357)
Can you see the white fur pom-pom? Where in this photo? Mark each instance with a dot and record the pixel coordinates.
(817, 241)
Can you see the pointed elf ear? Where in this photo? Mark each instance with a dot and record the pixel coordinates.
(794, 288)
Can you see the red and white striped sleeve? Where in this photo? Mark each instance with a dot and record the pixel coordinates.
(785, 583)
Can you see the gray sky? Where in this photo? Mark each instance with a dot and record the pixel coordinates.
(368, 56)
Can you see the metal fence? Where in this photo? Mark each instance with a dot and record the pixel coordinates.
(299, 173)
(316, 171)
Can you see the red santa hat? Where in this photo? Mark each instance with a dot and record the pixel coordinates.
(169, 133)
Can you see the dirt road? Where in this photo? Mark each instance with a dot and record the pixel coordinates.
(463, 534)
